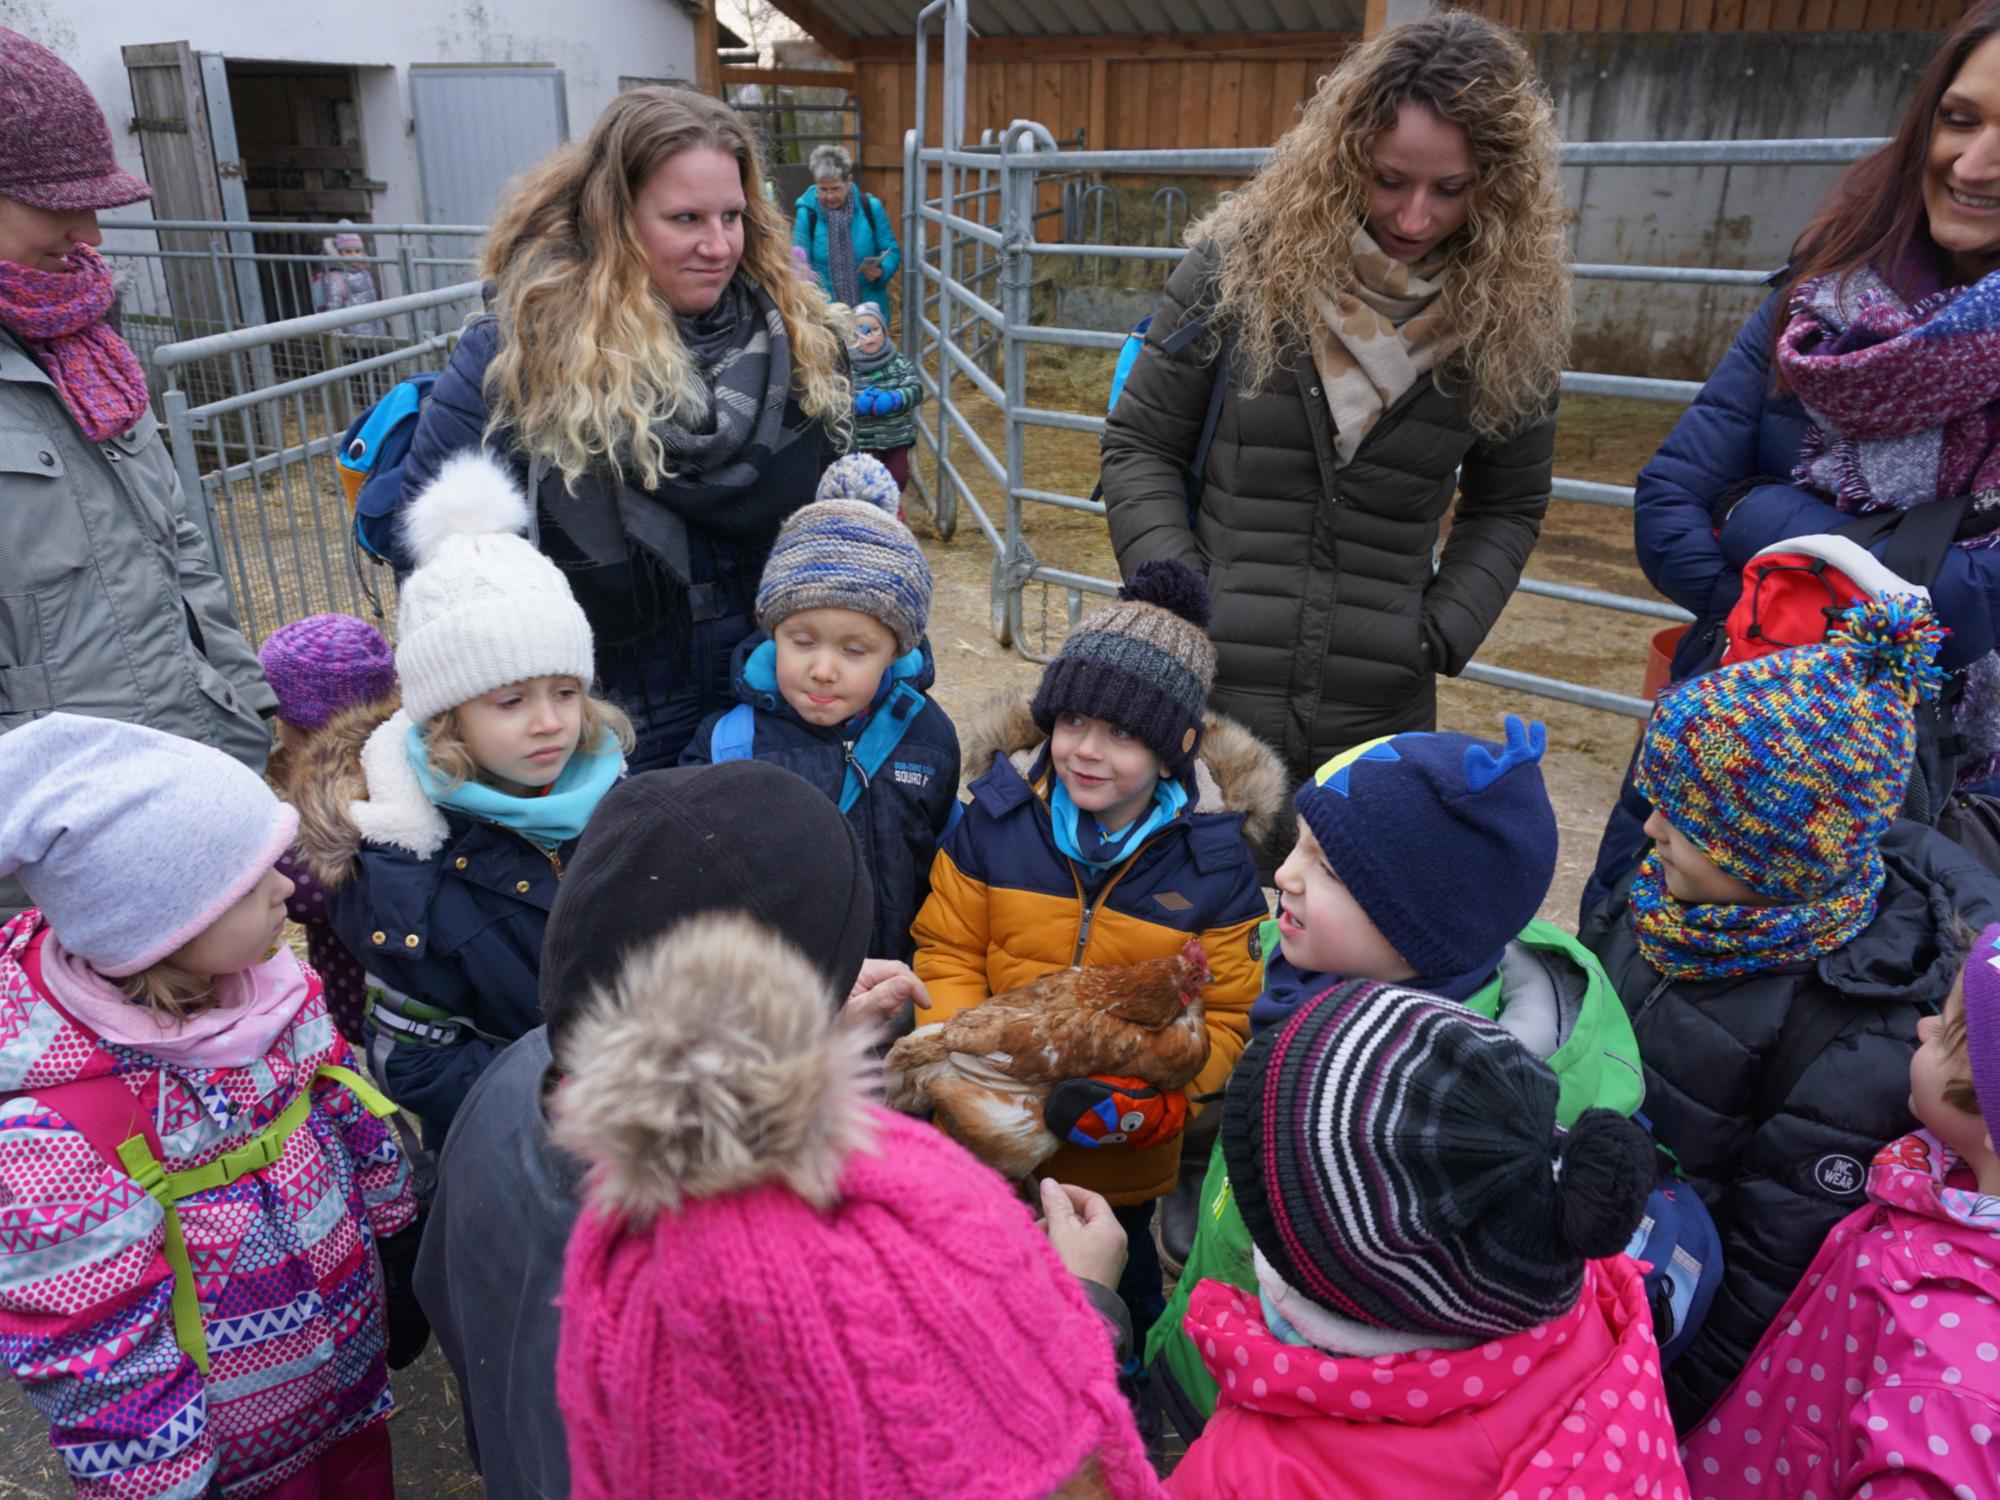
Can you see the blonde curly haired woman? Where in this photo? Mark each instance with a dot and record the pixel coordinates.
(665, 385)
(1387, 306)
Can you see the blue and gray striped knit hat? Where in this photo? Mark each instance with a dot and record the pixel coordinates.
(847, 550)
(1144, 663)
(1397, 1162)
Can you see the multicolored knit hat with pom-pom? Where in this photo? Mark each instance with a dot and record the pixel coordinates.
(847, 550)
(1144, 663)
(1787, 770)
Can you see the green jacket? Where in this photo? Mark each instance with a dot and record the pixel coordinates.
(1550, 989)
(898, 430)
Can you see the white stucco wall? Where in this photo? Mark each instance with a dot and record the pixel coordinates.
(593, 42)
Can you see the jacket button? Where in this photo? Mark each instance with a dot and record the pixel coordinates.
(521, 887)
(1315, 390)
(46, 459)
(411, 941)
(378, 938)
(112, 453)
(460, 863)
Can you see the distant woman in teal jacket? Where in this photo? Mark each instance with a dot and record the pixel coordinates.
(846, 233)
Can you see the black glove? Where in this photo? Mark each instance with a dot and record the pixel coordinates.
(409, 1329)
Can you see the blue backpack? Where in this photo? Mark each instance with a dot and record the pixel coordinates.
(370, 463)
(1677, 1241)
(1195, 480)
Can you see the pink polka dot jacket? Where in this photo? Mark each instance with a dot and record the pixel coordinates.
(1881, 1377)
(1573, 1408)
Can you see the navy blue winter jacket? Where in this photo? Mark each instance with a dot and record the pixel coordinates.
(623, 608)
(457, 928)
(901, 816)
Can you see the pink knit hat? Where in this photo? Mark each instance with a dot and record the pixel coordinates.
(779, 1288)
(55, 147)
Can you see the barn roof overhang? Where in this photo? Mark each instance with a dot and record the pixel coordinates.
(852, 29)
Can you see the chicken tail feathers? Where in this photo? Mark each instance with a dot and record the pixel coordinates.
(712, 1064)
(907, 1070)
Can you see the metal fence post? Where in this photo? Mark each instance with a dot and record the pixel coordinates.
(1017, 230)
(180, 439)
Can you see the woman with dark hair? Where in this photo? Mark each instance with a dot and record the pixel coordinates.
(1387, 305)
(1869, 381)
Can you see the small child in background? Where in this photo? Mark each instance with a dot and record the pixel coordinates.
(834, 686)
(1107, 826)
(194, 1181)
(1779, 946)
(1441, 1306)
(453, 816)
(1879, 1376)
(347, 282)
(323, 667)
(887, 393)
(1421, 860)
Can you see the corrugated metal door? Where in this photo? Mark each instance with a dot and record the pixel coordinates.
(476, 127)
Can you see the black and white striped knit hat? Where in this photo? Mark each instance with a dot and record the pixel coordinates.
(1144, 663)
(1397, 1162)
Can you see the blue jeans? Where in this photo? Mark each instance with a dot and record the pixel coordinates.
(1139, 1288)
(667, 697)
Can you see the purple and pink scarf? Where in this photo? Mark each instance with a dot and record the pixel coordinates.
(60, 316)
(1903, 399)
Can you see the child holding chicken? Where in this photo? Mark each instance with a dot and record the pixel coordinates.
(1107, 827)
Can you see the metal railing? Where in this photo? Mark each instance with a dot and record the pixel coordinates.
(258, 464)
(187, 279)
(1027, 154)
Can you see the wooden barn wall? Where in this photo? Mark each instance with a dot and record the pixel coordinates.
(1119, 103)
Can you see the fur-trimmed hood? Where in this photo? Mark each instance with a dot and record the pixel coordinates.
(352, 784)
(1235, 772)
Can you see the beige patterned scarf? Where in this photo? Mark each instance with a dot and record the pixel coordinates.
(1377, 339)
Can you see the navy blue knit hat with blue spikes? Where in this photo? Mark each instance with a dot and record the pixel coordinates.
(1447, 842)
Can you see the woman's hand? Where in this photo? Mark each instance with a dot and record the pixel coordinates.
(1086, 1235)
(881, 990)
(871, 268)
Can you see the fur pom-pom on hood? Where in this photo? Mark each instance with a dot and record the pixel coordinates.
(472, 495)
(714, 1064)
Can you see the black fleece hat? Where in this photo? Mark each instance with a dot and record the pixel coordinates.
(665, 845)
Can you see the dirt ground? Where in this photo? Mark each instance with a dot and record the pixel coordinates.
(1581, 544)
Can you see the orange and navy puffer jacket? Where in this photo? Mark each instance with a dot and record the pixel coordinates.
(1006, 907)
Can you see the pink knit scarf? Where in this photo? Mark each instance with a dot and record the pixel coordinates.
(256, 1007)
(60, 316)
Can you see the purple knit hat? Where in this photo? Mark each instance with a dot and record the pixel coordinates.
(1982, 1019)
(324, 663)
(55, 148)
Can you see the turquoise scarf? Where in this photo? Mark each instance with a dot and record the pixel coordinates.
(1074, 836)
(760, 675)
(548, 821)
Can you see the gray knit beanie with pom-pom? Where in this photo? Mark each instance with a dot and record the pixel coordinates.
(847, 550)
(1398, 1164)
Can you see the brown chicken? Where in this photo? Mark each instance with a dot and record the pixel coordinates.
(984, 1073)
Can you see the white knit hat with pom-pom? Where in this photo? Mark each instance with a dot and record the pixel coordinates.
(483, 608)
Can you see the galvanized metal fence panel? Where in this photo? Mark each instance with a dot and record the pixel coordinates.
(258, 462)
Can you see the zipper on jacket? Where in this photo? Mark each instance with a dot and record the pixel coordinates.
(847, 752)
(1653, 994)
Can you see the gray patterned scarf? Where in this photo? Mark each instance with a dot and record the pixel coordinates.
(745, 360)
(840, 267)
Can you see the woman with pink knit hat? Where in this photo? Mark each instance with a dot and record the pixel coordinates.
(115, 610)
(740, 1313)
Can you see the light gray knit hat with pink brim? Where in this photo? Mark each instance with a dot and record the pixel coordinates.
(132, 842)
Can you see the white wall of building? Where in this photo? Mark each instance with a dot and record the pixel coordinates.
(593, 42)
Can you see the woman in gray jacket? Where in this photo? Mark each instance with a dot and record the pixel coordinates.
(1387, 305)
(110, 603)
